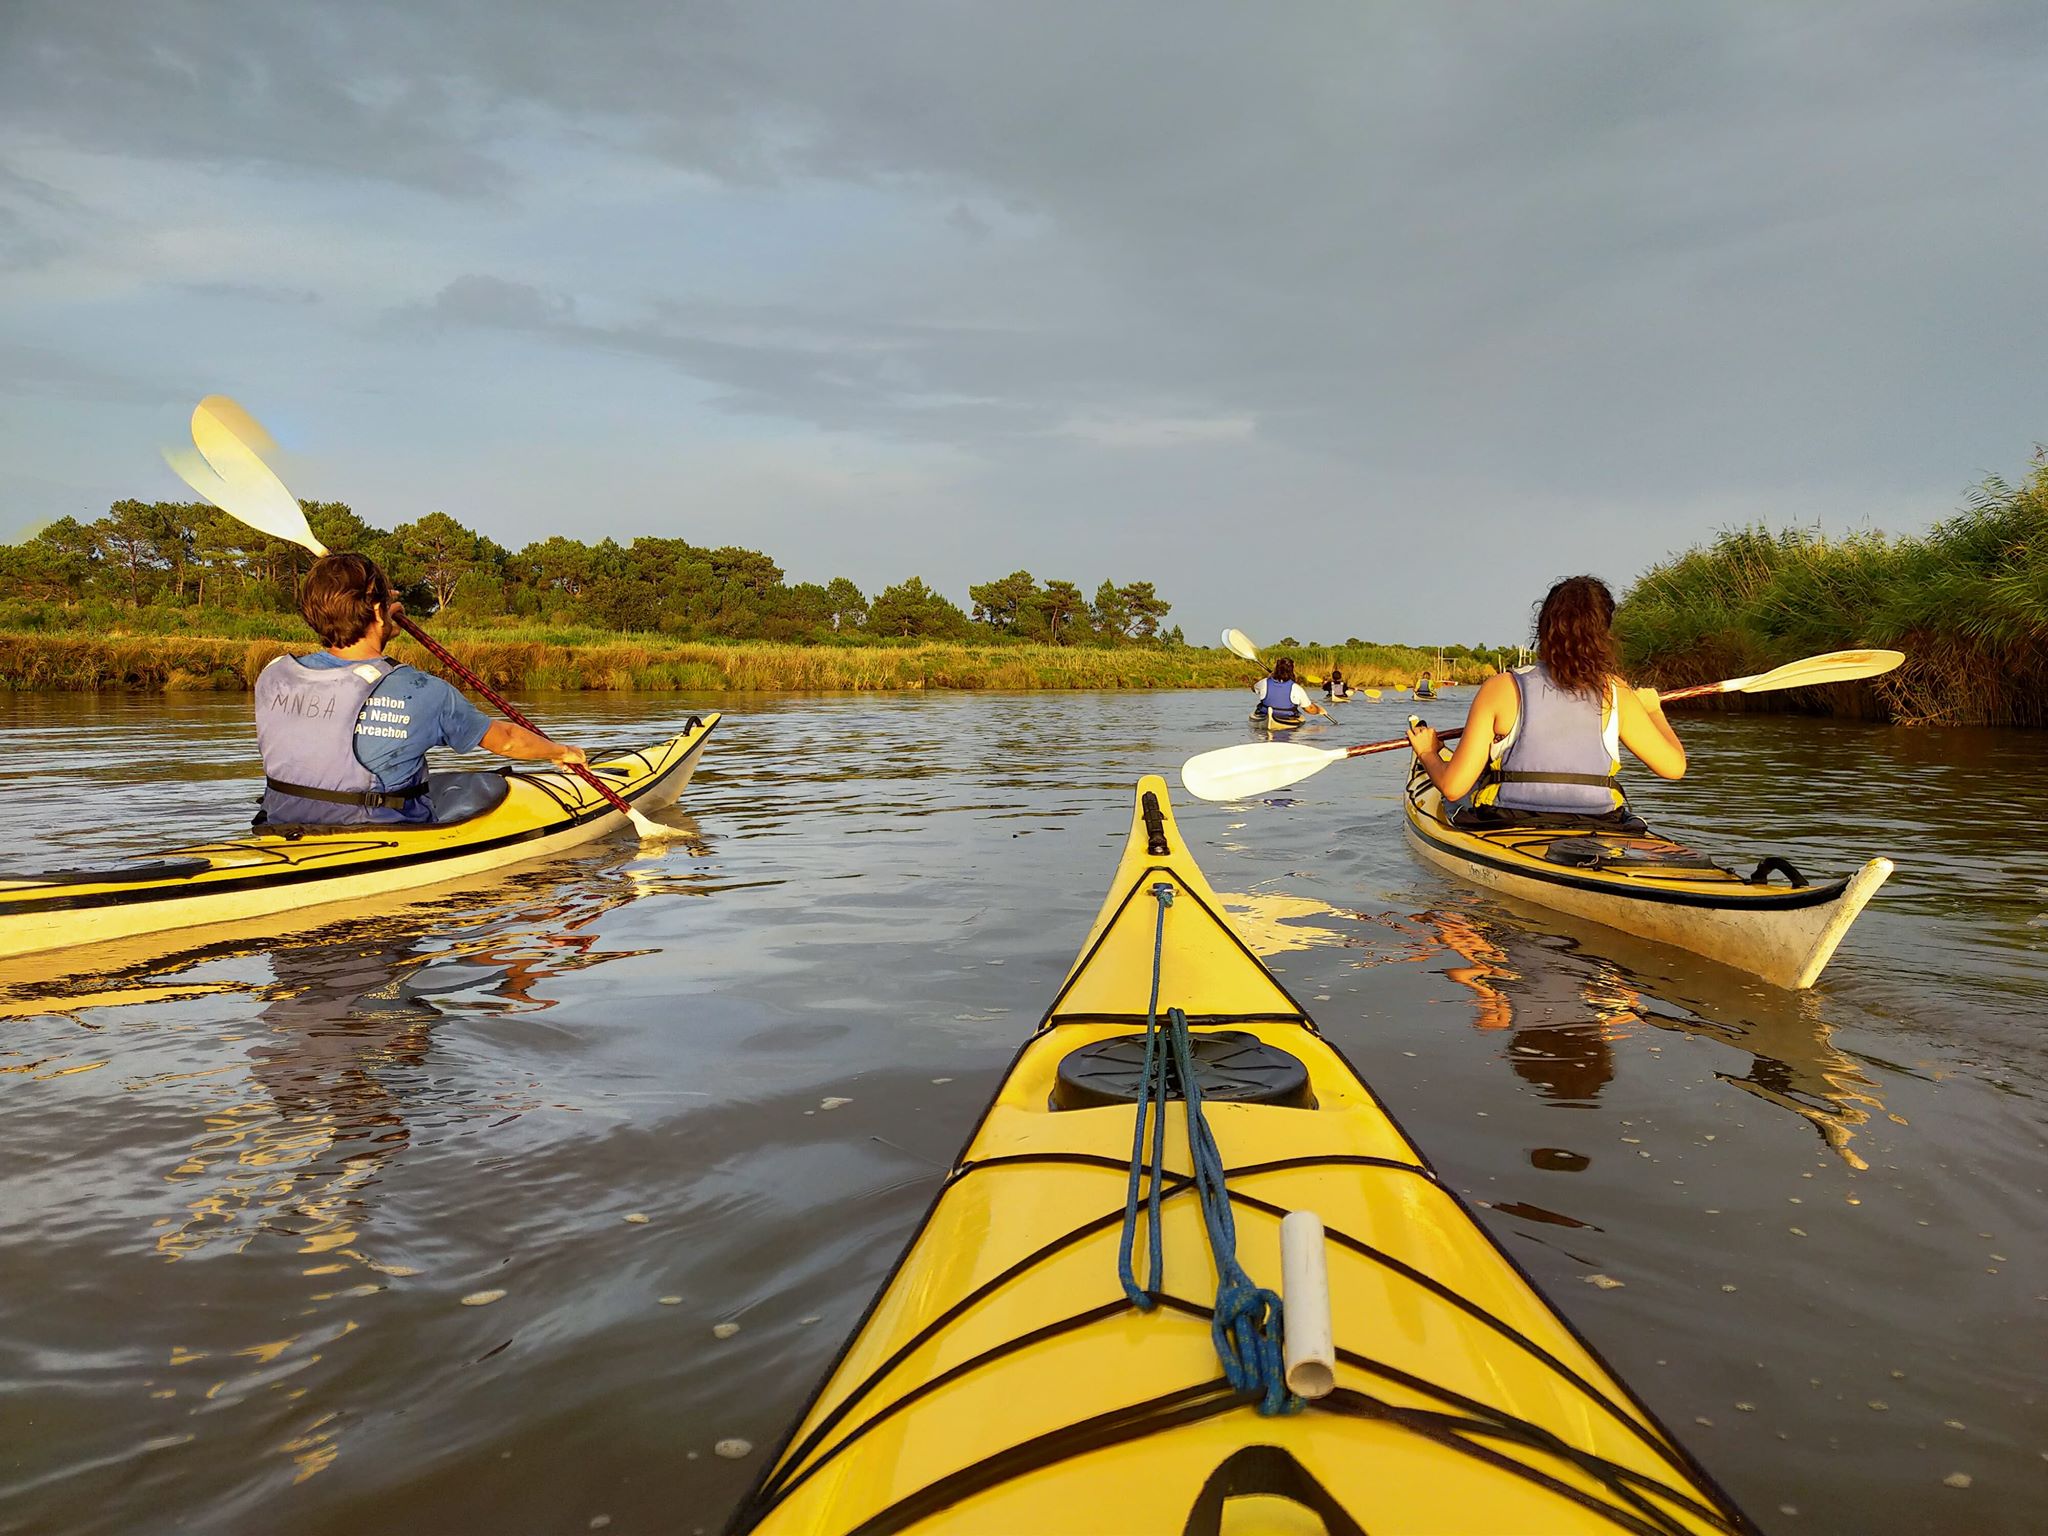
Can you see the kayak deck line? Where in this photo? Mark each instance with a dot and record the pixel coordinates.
(269, 872)
(1784, 934)
(1760, 898)
(799, 1463)
(1002, 1379)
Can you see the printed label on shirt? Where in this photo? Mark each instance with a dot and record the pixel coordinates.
(385, 717)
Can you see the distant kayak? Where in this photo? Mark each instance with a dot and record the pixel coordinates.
(1268, 722)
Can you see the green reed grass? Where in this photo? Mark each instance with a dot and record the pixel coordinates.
(1967, 602)
(114, 655)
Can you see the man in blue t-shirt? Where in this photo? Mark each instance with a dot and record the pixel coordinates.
(345, 732)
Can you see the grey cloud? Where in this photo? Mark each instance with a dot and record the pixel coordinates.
(1625, 255)
(249, 84)
(1408, 230)
(483, 300)
(968, 222)
(260, 293)
(37, 220)
(31, 370)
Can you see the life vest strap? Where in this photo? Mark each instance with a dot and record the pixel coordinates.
(1599, 780)
(368, 799)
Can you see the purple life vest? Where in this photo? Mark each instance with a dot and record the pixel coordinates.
(1564, 754)
(306, 729)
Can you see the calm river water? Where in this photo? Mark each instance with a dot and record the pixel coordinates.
(247, 1183)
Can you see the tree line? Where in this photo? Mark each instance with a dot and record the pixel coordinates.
(189, 555)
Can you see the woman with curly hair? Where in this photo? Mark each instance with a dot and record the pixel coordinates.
(1547, 738)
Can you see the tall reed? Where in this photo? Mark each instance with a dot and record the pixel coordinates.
(538, 658)
(1967, 602)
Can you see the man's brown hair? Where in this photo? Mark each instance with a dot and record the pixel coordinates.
(339, 598)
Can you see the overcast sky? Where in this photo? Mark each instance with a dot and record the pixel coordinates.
(1334, 319)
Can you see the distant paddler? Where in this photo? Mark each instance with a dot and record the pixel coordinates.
(1281, 701)
(345, 731)
(1547, 738)
(1334, 686)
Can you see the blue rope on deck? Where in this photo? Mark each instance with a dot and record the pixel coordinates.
(1247, 1320)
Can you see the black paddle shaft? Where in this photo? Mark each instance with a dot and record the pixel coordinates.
(435, 649)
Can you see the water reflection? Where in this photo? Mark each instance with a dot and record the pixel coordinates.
(1565, 1023)
(1794, 1065)
(290, 1157)
(323, 1088)
(1274, 923)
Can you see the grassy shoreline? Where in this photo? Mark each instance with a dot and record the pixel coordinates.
(88, 661)
(1967, 602)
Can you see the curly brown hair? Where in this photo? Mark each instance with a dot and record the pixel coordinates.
(1283, 670)
(339, 598)
(1574, 635)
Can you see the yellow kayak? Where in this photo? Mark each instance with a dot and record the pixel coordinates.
(516, 816)
(1652, 887)
(1005, 1381)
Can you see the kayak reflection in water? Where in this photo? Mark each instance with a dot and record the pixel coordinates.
(1280, 700)
(345, 731)
(1545, 740)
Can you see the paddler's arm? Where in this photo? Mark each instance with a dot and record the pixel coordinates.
(1645, 732)
(1483, 723)
(516, 741)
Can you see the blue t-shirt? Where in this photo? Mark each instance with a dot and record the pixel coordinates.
(405, 715)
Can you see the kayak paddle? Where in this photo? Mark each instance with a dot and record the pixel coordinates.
(1238, 643)
(1258, 767)
(228, 470)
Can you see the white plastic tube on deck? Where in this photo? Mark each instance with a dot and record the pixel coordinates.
(1305, 1291)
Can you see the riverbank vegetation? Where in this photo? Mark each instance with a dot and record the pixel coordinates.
(180, 596)
(1967, 602)
(171, 566)
(580, 659)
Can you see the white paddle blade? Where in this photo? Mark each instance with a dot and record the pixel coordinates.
(242, 485)
(1256, 768)
(1834, 667)
(198, 474)
(652, 831)
(1239, 643)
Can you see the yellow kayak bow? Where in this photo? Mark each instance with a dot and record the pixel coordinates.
(1004, 1380)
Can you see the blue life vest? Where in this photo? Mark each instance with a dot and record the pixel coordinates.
(1278, 700)
(1564, 754)
(306, 729)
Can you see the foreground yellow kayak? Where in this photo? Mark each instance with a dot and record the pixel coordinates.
(517, 816)
(1005, 1381)
(1653, 888)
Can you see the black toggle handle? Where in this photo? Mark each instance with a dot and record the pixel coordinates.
(1155, 825)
